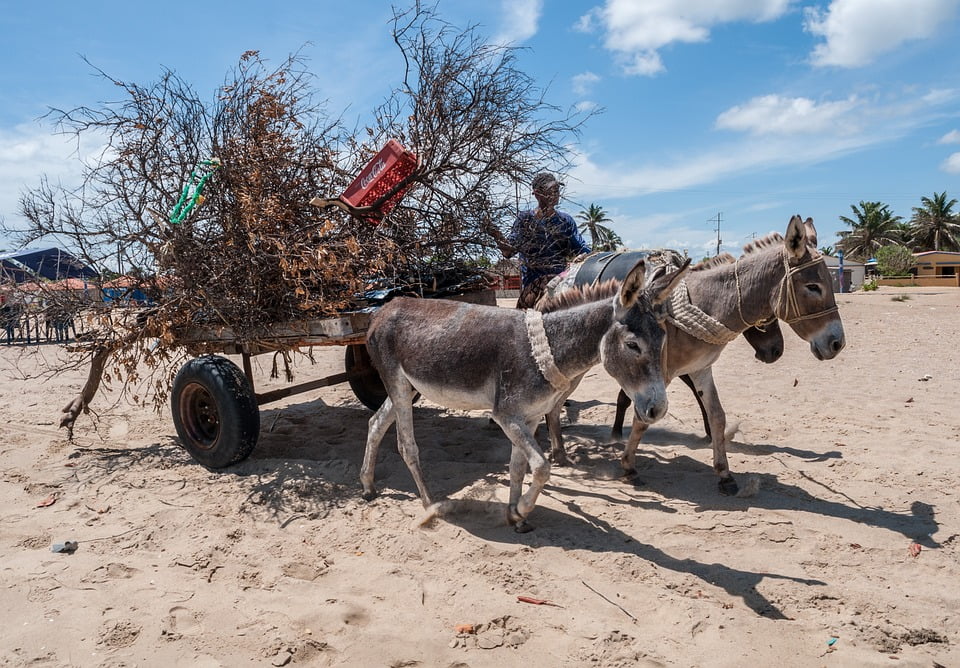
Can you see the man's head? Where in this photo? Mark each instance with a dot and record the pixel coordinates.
(546, 189)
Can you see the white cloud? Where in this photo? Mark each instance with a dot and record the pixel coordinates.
(635, 31)
(855, 32)
(582, 83)
(28, 152)
(585, 106)
(952, 164)
(519, 21)
(780, 133)
(952, 137)
(775, 114)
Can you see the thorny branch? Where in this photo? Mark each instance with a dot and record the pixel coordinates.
(253, 252)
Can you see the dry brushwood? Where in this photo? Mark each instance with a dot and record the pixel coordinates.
(250, 251)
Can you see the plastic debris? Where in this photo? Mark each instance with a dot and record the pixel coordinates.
(66, 547)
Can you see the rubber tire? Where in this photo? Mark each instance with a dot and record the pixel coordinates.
(215, 411)
(366, 383)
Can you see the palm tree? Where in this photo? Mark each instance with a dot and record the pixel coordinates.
(934, 226)
(827, 250)
(602, 238)
(873, 227)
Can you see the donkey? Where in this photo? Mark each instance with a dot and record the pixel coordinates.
(516, 363)
(766, 338)
(777, 276)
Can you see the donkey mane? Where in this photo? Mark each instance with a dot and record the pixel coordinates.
(579, 295)
(722, 259)
(765, 242)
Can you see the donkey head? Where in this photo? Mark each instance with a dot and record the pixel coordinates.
(631, 350)
(805, 299)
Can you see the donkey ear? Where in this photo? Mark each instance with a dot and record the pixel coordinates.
(632, 285)
(662, 285)
(795, 239)
(811, 232)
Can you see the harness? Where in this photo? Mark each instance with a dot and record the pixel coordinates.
(540, 347)
(787, 308)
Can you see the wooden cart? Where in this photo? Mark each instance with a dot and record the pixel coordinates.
(216, 409)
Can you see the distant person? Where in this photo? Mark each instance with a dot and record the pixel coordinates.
(545, 239)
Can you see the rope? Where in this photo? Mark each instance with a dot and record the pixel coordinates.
(540, 347)
(187, 201)
(787, 295)
(694, 321)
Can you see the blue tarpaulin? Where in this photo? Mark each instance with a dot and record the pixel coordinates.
(50, 263)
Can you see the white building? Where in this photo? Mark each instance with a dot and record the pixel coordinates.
(854, 273)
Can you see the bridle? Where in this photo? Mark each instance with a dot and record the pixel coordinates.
(787, 308)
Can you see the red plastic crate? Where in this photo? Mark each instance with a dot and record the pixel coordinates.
(388, 168)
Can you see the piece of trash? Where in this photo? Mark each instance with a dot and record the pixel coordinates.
(925, 377)
(464, 628)
(915, 549)
(49, 501)
(832, 641)
(796, 381)
(856, 546)
(66, 547)
(536, 601)
(909, 401)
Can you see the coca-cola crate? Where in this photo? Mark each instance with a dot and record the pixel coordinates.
(389, 167)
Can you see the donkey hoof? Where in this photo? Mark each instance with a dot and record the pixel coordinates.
(523, 526)
(559, 458)
(370, 496)
(728, 486)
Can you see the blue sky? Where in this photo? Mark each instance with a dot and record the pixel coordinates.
(751, 109)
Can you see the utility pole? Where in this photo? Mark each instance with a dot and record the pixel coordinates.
(717, 220)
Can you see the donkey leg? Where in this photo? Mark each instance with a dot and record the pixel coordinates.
(717, 419)
(407, 444)
(628, 461)
(696, 395)
(623, 403)
(525, 452)
(558, 455)
(376, 429)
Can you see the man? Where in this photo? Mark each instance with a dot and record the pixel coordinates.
(545, 240)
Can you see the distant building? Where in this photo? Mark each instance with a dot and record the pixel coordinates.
(938, 264)
(854, 273)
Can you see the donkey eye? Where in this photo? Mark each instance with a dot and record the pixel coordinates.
(814, 288)
(633, 345)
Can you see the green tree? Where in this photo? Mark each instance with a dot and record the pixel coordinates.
(873, 226)
(894, 260)
(828, 250)
(602, 238)
(934, 226)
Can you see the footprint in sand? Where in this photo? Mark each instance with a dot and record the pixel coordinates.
(111, 571)
(182, 621)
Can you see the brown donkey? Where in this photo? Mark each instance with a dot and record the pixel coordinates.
(516, 363)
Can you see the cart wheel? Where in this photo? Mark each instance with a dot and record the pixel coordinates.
(364, 379)
(215, 411)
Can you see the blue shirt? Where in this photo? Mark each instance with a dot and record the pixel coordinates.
(545, 246)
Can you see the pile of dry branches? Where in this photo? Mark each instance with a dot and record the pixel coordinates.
(252, 251)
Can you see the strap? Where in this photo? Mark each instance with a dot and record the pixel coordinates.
(540, 347)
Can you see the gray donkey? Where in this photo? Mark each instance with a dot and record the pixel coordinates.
(516, 363)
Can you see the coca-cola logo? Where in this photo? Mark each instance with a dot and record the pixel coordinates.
(378, 167)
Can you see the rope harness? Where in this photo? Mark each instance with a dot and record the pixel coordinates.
(694, 321)
(787, 308)
(540, 347)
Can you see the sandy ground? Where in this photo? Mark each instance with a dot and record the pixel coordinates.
(278, 561)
